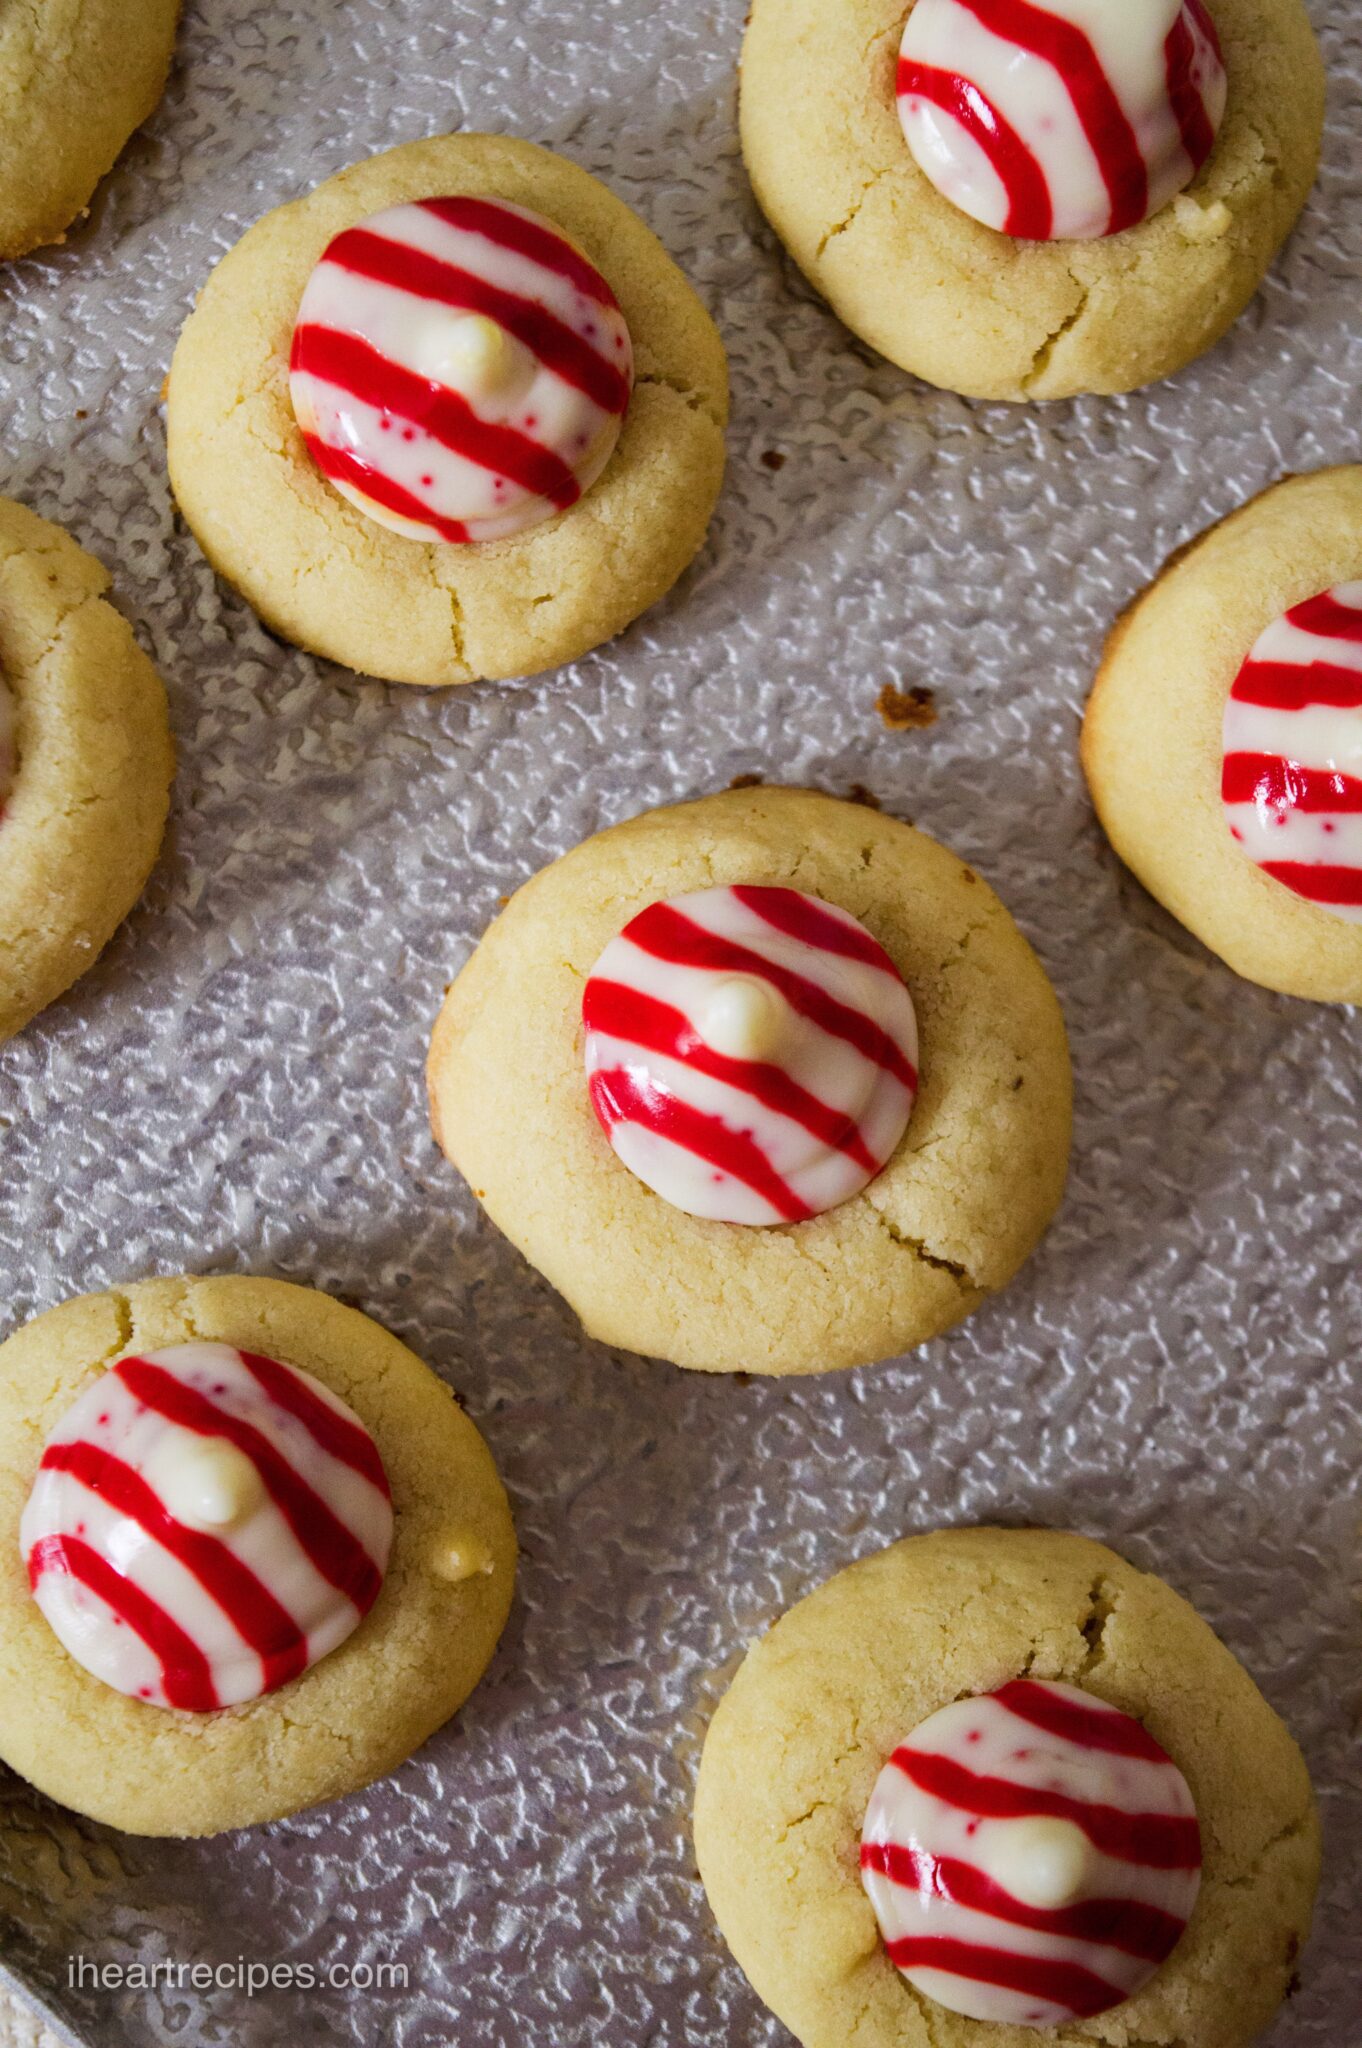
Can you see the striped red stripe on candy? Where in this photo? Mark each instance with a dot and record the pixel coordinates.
(1040, 123)
(947, 1870)
(1291, 773)
(1156, 1841)
(1126, 1924)
(431, 441)
(260, 1619)
(1030, 212)
(197, 1615)
(770, 1137)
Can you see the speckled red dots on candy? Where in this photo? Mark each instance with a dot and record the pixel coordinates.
(446, 315)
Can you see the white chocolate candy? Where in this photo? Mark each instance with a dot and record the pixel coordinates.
(459, 370)
(1032, 1855)
(751, 1053)
(1060, 119)
(205, 1523)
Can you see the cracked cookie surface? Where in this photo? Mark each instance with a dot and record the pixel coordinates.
(964, 1199)
(321, 573)
(84, 818)
(979, 312)
(413, 1660)
(823, 1699)
(76, 78)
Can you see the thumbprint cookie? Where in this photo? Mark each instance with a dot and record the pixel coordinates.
(85, 764)
(995, 1785)
(76, 78)
(766, 1081)
(453, 415)
(1223, 737)
(1033, 198)
(252, 1553)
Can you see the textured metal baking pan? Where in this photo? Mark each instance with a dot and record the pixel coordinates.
(238, 1083)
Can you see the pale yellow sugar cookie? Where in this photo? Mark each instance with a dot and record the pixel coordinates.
(76, 78)
(964, 1198)
(321, 572)
(86, 808)
(1153, 736)
(976, 311)
(360, 1710)
(825, 1697)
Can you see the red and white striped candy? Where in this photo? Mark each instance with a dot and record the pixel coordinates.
(1292, 774)
(751, 1053)
(205, 1524)
(1032, 1855)
(459, 370)
(1065, 120)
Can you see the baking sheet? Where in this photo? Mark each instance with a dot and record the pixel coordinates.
(237, 1086)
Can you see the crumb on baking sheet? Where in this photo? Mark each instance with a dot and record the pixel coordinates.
(907, 710)
(773, 459)
(745, 782)
(859, 794)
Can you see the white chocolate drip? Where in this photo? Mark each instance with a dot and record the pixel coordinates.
(455, 1557)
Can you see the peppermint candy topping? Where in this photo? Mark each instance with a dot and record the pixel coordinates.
(1292, 774)
(1063, 121)
(1032, 1855)
(7, 755)
(751, 1053)
(459, 370)
(205, 1524)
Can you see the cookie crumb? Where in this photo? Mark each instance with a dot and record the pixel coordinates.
(773, 459)
(859, 794)
(745, 782)
(907, 710)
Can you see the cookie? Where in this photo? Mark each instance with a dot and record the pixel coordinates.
(982, 305)
(254, 1553)
(1223, 737)
(904, 1741)
(914, 1025)
(85, 764)
(505, 433)
(76, 78)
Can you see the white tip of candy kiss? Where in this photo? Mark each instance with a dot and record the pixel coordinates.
(455, 1558)
(744, 1019)
(1044, 1863)
(210, 1485)
(466, 351)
